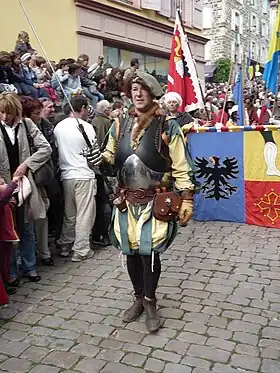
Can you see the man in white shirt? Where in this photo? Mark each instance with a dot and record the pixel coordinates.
(78, 180)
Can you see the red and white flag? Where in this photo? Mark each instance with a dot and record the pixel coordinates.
(182, 75)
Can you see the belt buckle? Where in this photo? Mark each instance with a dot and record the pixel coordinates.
(139, 193)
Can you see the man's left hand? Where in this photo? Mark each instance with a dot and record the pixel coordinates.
(185, 212)
(21, 170)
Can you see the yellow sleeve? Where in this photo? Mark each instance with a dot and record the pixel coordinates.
(230, 124)
(111, 147)
(180, 166)
(110, 151)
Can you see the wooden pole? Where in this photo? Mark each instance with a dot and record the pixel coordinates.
(243, 80)
(201, 90)
(227, 86)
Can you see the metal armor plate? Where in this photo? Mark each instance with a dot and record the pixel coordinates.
(135, 175)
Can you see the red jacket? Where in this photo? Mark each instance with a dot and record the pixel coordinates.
(7, 228)
(225, 117)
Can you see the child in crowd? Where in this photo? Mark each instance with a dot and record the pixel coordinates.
(17, 70)
(8, 236)
(44, 77)
(30, 78)
(23, 44)
(73, 85)
(62, 73)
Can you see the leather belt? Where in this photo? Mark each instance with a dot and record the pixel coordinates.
(139, 196)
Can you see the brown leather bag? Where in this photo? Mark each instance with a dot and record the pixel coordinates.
(166, 206)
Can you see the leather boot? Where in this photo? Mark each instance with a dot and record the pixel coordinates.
(135, 311)
(152, 317)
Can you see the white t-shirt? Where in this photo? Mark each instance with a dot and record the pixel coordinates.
(70, 143)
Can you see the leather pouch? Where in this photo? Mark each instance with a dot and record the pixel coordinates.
(166, 206)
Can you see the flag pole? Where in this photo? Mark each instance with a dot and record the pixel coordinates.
(275, 98)
(243, 81)
(227, 86)
(187, 40)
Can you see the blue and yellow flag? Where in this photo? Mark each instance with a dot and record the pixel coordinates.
(270, 75)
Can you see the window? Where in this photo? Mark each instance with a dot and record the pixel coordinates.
(253, 24)
(264, 29)
(197, 10)
(263, 55)
(126, 1)
(207, 18)
(176, 4)
(253, 49)
(165, 9)
(129, 2)
(151, 4)
(265, 6)
(258, 53)
(236, 22)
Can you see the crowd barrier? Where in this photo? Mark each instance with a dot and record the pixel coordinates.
(239, 172)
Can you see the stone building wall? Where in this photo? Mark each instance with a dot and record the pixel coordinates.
(223, 36)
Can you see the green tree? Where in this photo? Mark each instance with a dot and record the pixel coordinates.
(221, 74)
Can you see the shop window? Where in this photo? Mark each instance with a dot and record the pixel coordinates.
(121, 58)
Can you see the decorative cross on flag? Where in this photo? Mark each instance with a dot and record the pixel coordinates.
(182, 75)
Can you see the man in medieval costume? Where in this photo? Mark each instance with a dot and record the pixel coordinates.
(155, 191)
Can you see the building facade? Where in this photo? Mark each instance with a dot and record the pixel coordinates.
(237, 29)
(126, 29)
(118, 29)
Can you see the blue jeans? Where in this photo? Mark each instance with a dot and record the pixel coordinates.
(22, 88)
(99, 95)
(37, 92)
(27, 247)
(94, 97)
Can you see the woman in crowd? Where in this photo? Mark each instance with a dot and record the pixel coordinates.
(32, 108)
(233, 116)
(8, 236)
(16, 159)
(173, 101)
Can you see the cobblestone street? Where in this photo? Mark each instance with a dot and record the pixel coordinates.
(219, 299)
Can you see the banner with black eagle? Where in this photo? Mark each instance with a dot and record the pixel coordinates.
(239, 174)
(182, 74)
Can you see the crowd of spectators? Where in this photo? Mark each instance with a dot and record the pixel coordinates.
(260, 106)
(32, 105)
(24, 72)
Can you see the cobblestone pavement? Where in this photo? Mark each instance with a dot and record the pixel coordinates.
(219, 299)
